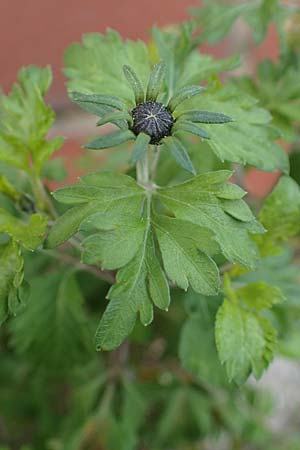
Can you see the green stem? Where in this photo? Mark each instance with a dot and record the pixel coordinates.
(43, 201)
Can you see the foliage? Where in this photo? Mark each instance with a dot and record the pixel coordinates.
(171, 230)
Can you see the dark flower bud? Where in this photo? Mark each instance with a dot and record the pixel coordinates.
(154, 119)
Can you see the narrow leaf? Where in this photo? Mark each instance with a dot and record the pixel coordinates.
(115, 118)
(155, 81)
(110, 140)
(206, 117)
(179, 153)
(135, 83)
(190, 127)
(184, 94)
(140, 147)
(97, 103)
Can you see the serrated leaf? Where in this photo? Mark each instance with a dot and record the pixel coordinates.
(95, 193)
(96, 64)
(110, 140)
(246, 341)
(183, 246)
(183, 94)
(179, 153)
(247, 140)
(128, 297)
(199, 200)
(11, 278)
(280, 216)
(216, 19)
(155, 81)
(30, 234)
(26, 120)
(260, 295)
(135, 84)
(60, 336)
(140, 147)
(118, 238)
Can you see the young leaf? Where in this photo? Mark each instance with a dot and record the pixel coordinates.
(30, 234)
(110, 140)
(140, 147)
(179, 153)
(155, 81)
(205, 201)
(11, 278)
(246, 341)
(26, 121)
(260, 295)
(135, 84)
(184, 94)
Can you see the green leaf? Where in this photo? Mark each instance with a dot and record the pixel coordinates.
(96, 64)
(130, 296)
(135, 84)
(197, 349)
(180, 243)
(179, 153)
(260, 295)
(11, 278)
(206, 200)
(155, 81)
(118, 238)
(246, 341)
(110, 140)
(140, 147)
(280, 216)
(95, 193)
(97, 103)
(216, 19)
(26, 121)
(30, 234)
(247, 140)
(206, 117)
(189, 127)
(184, 94)
(60, 336)
(119, 118)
